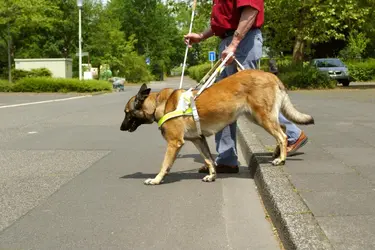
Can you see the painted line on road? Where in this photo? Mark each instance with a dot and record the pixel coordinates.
(41, 102)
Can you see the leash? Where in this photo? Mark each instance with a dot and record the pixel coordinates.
(187, 46)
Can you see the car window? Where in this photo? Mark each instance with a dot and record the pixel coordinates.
(329, 63)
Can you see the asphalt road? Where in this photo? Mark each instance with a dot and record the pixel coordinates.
(70, 179)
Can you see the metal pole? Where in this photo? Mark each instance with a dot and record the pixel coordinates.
(80, 46)
(9, 57)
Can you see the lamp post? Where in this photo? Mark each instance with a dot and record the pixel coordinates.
(79, 4)
(9, 57)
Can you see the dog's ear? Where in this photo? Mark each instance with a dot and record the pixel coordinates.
(141, 96)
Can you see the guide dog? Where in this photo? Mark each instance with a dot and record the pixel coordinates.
(260, 94)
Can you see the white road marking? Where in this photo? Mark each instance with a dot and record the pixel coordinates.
(32, 132)
(41, 102)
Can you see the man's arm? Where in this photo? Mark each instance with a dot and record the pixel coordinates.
(247, 19)
(206, 34)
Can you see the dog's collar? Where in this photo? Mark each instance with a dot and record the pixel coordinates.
(174, 114)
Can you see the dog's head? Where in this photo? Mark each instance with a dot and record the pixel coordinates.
(137, 111)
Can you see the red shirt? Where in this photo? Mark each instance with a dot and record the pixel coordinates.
(226, 14)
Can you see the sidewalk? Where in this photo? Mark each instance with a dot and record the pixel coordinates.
(325, 195)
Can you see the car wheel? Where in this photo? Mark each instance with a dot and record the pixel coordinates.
(345, 83)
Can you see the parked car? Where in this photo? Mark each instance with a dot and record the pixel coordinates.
(335, 69)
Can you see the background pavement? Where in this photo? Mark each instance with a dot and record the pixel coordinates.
(334, 172)
(72, 180)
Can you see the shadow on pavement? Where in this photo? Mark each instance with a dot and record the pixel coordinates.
(358, 86)
(175, 176)
(197, 157)
(266, 158)
(188, 175)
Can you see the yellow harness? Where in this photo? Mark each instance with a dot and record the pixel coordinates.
(174, 114)
(186, 106)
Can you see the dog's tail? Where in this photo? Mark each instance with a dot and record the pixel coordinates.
(291, 113)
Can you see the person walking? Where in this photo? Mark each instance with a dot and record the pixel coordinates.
(238, 24)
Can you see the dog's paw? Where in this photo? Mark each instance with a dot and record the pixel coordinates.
(151, 182)
(209, 178)
(278, 162)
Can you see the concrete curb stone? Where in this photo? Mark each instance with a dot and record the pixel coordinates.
(295, 223)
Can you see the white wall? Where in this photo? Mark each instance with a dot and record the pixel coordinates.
(60, 67)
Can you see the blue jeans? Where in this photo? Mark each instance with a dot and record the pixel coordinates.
(248, 52)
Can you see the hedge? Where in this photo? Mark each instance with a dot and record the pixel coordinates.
(198, 72)
(304, 76)
(5, 86)
(46, 84)
(18, 74)
(362, 71)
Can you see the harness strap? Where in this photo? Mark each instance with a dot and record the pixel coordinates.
(174, 114)
(195, 115)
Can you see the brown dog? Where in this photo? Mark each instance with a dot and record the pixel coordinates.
(259, 93)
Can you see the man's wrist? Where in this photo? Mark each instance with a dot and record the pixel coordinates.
(201, 37)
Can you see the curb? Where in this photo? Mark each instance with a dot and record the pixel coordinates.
(295, 223)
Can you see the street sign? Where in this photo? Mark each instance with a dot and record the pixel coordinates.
(212, 56)
(83, 54)
(148, 61)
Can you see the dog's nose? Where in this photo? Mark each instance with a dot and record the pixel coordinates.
(123, 128)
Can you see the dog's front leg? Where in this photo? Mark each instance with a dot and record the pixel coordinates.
(204, 150)
(172, 150)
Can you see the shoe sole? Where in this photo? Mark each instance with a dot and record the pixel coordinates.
(298, 147)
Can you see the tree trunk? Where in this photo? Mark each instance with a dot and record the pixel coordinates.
(298, 50)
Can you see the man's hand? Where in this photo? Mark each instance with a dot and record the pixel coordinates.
(191, 38)
(230, 48)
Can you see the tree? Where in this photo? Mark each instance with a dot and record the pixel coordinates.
(311, 21)
(17, 16)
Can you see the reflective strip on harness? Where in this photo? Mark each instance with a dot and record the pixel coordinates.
(195, 115)
(174, 114)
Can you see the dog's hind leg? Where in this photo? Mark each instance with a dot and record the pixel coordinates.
(204, 150)
(173, 148)
(276, 153)
(272, 126)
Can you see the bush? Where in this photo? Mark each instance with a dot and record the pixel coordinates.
(199, 71)
(45, 84)
(362, 71)
(18, 74)
(136, 70)
(5, 86)
(177, 71)
(304, 76)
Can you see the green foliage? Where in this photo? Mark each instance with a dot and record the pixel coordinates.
(356, 46)
(43, 84)
(362, 71)
(304, 76)
(305, 23)
(177, 71)
(136, 70)
(18, 74)
(5, 86)
(199, 71)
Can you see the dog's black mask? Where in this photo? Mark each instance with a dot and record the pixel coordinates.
(134, 114)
